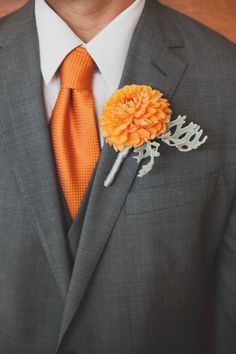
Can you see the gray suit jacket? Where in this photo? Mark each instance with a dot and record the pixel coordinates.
(136, 272)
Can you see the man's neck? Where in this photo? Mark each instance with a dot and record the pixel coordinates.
(88, 17)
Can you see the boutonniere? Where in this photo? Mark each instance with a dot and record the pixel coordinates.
(138, 117)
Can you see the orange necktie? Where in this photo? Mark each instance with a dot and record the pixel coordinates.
(73, 128)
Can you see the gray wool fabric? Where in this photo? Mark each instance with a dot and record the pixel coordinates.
(145, 259)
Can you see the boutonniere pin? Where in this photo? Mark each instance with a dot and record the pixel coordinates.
(138, 117)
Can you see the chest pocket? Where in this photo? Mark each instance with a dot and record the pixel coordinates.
(171, 196)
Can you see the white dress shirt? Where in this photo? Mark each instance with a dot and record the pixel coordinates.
(109, 49)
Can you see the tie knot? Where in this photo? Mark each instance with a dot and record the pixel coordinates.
(77, 70)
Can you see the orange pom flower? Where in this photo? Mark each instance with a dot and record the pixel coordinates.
(133, 115)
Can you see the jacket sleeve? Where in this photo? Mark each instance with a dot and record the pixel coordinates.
(225, 296)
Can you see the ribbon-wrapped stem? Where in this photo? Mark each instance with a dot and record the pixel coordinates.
(116, 167)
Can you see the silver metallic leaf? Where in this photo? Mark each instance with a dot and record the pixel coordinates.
(184, 137)
(148, 150)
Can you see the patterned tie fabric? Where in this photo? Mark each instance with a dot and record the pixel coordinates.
(73, 128)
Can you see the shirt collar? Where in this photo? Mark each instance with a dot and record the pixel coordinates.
(108, 48)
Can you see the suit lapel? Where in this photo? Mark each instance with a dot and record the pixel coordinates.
(27, 140)
(151, 62)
